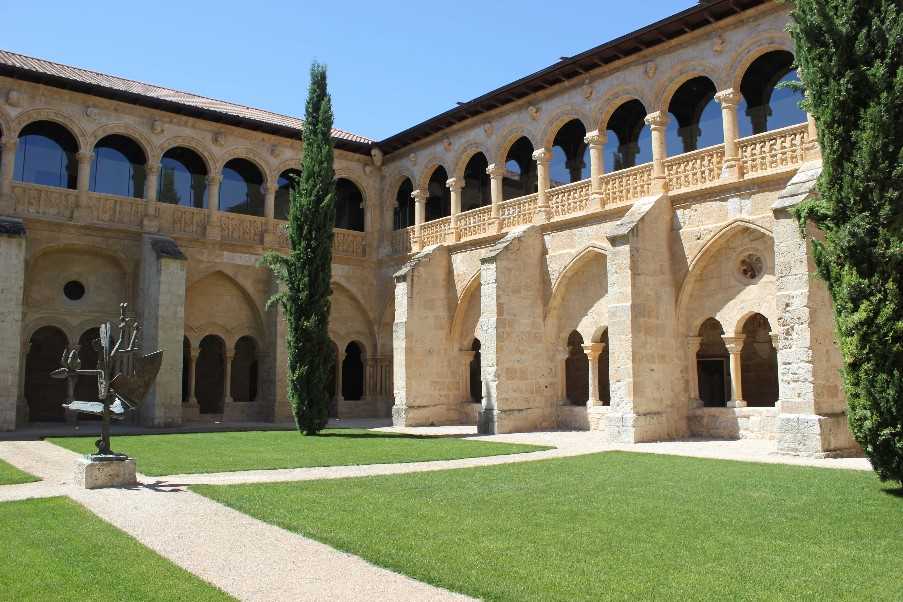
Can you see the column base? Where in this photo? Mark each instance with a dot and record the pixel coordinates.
(542, 215)
(731, 169)
(150, 223)
(498, 422)
(736, 403)
(8, 415)
(423, 415)
(636, 428)
(213, 230)
(816, 436)
(270, 239)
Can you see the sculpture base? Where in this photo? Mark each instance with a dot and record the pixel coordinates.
(94, 474)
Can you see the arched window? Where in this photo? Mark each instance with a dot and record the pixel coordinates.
(520, 170)
(284, 185)
(570, 155)
(695, 117)
(45, 154)
(241, 190)
(576, 370)
(45, 395)
(476, 379)
(183, 178)
(210, 375)
(759, 363)
(118, 167)
(244, 370)
(476, 192)
(712, 365)
(764, 105)
(629, 141)
(349, 206)
(438, 200)
(403, 214)
(353, 372)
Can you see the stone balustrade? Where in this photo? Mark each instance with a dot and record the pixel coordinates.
(435, 232)
(475, 223)
(401, 241)
(519, 211)
(773, 151)
(63, 204)
(626, 185)
(696, 169)
(570, 199)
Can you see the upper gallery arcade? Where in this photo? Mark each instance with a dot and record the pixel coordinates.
(604, 244)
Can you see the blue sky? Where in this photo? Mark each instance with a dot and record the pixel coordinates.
(391, 64)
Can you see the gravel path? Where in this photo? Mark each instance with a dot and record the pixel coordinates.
(252, 560)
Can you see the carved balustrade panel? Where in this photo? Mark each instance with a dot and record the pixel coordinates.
(246, 229)
(401, 241)
(695, 169)
(181, 221)
(773, 151)
(517, 211)
(349, 243)
(44, 201)
(115, 210)
(474, 223)
(626, 185)
(434, 232)
(570, 199)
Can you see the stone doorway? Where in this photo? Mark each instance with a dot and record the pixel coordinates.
(45, 395)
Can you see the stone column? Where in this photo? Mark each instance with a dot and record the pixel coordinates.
(213, 222)
(562, 358)
(496, 173)
(162, 314)
(657, 122)
(12, 290)
(83, 184)
(150, 222)
(192, 367)
(593, 351)
(419, 197)
(596, 141)
(455, 185)
(7, 166)
(339, 360)
(269, 212)
(693, 344)
(734, 346)
(728, 99)
(543, 157)
(227, 371)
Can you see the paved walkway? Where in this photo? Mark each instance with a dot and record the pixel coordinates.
(251, 560)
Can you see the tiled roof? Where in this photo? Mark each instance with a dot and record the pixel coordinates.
(19, 65)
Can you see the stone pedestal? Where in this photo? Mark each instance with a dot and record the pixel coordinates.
(99, 475)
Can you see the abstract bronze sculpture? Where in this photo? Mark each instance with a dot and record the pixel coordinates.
(123, 377)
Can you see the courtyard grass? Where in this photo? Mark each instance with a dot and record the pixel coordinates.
(608, 526)
(56, 550)
(187, 453)
(10, 475)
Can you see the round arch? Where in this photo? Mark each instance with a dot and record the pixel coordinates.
(430, 167)
(192, 144)
(752, 50)
(560, 119)
(470, 289)
(248, 154)
(23, 119)
(345, 337)
(680, 75)
(507, 139)
(123, 129)
(255, 327)
(466, 154)
(612, 101)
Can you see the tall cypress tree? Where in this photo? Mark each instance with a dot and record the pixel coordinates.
(305, 273)
(850, 53)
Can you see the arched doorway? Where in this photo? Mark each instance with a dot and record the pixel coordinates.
(765, 105)
(333, 410)
(186, 370)
(695, 117)
(86, 386)
(438, 200)
(349, 205)
(759, 363)
(45, 395)
(602, 372)
(353, 373)
(576, 368)
(712, 365)
(476, 379)
(570, 155)
(403, 212)
(628, 142)
(244, 370)
(521, 177)
(286, 181)
(210, 375)
(476, 191)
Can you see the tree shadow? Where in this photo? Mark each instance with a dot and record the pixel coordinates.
(379, 435)
(895, 492)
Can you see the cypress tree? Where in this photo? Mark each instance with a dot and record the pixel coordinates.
(305, 273)
(850, 54)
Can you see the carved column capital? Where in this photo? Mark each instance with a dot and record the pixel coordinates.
(542, 155)
(84, 156)
(734, 344)
(593, 350)
(728, 97)
(775, 339)
(657, 120)
(152, 169)
(214, 179)
(693, 344)
(455, 184)
(9, 144)
(495, 170)
(595, 138)
(419, 196)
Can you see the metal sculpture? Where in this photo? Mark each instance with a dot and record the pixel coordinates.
(123, 377)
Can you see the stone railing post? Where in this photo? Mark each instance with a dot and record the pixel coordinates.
(593, 351)
(734, 346)
(151, 180)
(213, 225)
(596, 141)
(693, 344)
(83, 184)
(543, 157)
(455, 185)
(812, 151)
(496, 173)
(7, 166)
(269, 212)
(729, 99)
(657, 122)
(419, 197)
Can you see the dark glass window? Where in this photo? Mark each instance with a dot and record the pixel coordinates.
(283, 192)
(45, 155)
(629, 141)
(570, 155)
(241, 190)
(765, 105)
(349, 206)
(403, 215)
(118, 167)
(183, 178)
(476, 192)
(694, 117)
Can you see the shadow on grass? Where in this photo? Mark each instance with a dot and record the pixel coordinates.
(373, 435)
(896, 492)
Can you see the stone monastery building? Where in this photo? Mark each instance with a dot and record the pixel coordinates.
(606, 244)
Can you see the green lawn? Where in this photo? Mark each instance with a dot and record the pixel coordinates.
(10, 475)
(53, 549)
(609, 526)
(220, 452)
